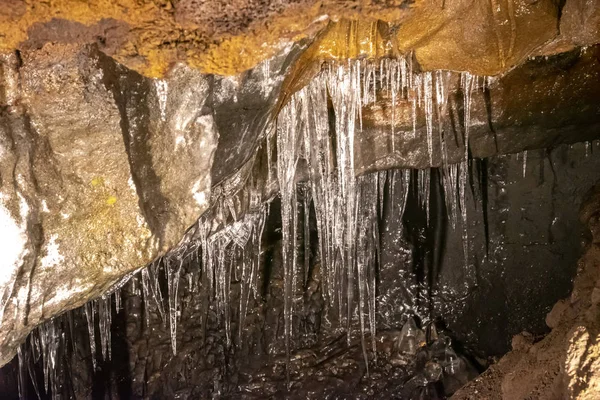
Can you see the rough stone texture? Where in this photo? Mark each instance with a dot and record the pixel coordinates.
(71, 176)
(227, 38)
(77, 158)
(564, 364)
(579, 24)
(170, 137)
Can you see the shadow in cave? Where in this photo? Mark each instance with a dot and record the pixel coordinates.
(426, 230)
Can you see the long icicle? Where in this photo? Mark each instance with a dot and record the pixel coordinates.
(466, 84)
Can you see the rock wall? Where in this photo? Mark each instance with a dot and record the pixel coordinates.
(563, 364)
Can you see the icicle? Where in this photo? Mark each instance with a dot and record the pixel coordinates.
(266, 80)
(250, 267)
(418, 84)
(29, 360)
(405, 184)
(403, 73)
(414, 115)
(261, 224)
(269, 156)
(146, 293)
(466, 83)
(427, 90)
(306, 236)
(524, 163)
(323, 182)
(450, 177)
(173, 276)
(427, 190)
(366, 225)
(89, 315)
(104, 322)
(424, 185)
(382, 176)
(394, 94)
(50, 341)
(117, 294)
(22, 376)
(463, 182)
(467, 87)
(440, 101)
(287, 159)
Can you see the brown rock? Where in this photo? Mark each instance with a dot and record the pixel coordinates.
(580, 22)
(522, 341)
(555, 315)
(582, 365)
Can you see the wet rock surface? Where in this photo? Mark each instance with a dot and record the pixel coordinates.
(564, 363)
(241, 353)
(66, 165)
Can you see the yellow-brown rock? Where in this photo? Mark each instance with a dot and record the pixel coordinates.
(226, 38)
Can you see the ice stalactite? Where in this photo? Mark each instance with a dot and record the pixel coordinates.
(337, 202)
(403, 176)
(344, 88)
(333, 183)
(424, 187)
(306, 200)
(90, 311)
(220, 251)
(467, 85)
(381, 184)
(50, 338)
(250, 268)
(151, 290)
(450, 183)
(524, 163)
(287, 160)
(104, 322)
(427, 91)
(367, 241)
(118, 305)
(22, 377)
(173, 272)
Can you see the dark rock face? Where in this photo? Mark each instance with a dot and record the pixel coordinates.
(564, 364)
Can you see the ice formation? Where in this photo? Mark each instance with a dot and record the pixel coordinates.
(348, 209)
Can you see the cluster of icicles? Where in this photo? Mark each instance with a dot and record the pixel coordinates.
(346, 205)
(346, 209)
